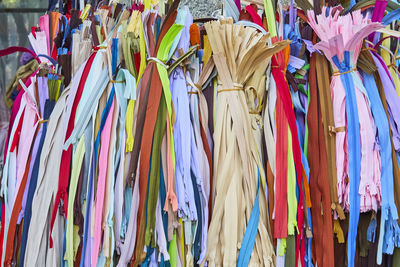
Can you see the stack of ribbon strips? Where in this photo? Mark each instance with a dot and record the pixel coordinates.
(139, 135)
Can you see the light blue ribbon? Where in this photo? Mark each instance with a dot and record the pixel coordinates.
(354, 147)
(388, 210)
(251, 231)
(394, 15)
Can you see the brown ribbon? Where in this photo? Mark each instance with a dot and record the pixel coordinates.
(319, 177)
(327, 120)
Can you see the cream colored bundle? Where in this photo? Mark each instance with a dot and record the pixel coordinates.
(241, 54)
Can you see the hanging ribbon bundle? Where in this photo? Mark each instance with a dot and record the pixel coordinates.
(139, 135)
(234, 143)
(358, 160)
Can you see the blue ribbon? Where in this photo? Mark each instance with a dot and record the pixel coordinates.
(389, 227)
(49, 58)
(251, 231)
(354, 147)
(394, 15)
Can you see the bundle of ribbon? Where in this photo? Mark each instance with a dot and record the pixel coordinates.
(139, 135)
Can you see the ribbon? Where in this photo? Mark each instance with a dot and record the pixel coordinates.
(13, 49)
(250, 235)
(354, 150)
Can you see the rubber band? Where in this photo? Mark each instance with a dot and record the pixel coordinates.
(334, 130)
(236, 87)
(198, 86)
(230, 90)
(279, 68)
(156, 60)
(97, 48)
(192, 92)
(337, 73)
(370, 49)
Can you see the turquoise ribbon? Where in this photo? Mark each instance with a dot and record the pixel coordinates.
(251, 231)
